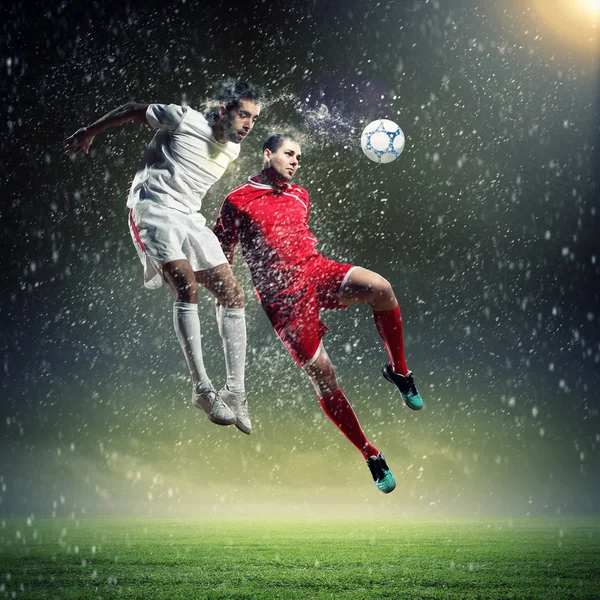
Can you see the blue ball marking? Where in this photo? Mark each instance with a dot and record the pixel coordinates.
(391, 137)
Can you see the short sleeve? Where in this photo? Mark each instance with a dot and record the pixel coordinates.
(226, 228)
(165, 116)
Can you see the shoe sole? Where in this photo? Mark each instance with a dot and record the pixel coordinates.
(388, 378)
(241, 428)
(219, 422)
(388, 491)
(236, 422)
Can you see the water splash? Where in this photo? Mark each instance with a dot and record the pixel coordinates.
(308, 122)
(319, 123)
(329, 126)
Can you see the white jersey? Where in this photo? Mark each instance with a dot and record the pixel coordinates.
(183, 160)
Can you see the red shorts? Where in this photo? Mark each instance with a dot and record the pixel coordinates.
(295, 314)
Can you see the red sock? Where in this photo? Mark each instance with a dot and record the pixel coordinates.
(389, 325)
(338, 409)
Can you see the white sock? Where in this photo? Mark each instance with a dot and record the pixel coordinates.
(187, 327)
(232, 328)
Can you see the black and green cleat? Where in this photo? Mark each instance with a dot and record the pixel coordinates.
(406, 385)
(382, 476)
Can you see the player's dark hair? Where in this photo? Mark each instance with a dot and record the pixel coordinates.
(232, 92)
(274, 142)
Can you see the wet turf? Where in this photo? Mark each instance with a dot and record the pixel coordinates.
(299, 559)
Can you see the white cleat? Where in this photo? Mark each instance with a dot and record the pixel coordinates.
(237, 402)
(216, 410)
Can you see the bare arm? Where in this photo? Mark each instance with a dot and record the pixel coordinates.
(82, 139)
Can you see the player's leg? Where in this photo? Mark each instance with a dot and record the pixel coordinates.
(231, 320)
(180, 278)
(159, 234)
(364, 286)
(335, 405)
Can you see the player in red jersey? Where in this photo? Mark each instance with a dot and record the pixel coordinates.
(268, 216)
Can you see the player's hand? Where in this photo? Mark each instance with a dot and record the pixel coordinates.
(80, 141)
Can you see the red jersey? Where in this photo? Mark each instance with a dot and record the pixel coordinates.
(292, 280)
(272, 228)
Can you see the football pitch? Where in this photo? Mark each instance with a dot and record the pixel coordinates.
(299, 559)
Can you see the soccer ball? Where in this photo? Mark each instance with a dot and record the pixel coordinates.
(382, 141)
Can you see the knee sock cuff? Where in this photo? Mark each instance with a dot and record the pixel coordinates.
(387, 312)
(332, 396)
(232, 312)
(184, 307)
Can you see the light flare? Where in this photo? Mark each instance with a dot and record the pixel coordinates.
(592, 5)
(576, 22)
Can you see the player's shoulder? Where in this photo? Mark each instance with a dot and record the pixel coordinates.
(298, 190)
(239, 195)
(165, 115)
(191, 114)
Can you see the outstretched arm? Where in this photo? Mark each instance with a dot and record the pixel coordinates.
(82, 139)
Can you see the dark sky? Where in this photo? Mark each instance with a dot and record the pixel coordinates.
(486, 227)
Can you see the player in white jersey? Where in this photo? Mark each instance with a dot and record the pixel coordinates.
(188, 154)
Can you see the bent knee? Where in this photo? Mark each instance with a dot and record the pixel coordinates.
(322, 374)
(322, 366)
(182, 287)
(232, 296)
(239, 296)
(382, 288)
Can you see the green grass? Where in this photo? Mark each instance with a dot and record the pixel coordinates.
(299, 559)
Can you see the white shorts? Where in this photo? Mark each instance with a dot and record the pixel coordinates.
(163, 234)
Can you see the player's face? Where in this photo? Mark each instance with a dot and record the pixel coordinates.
(285, 161)
(238, 122)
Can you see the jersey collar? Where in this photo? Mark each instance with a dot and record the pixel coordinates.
(264, 186)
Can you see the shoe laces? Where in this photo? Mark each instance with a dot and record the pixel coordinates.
(377, 468)
(207, 393)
